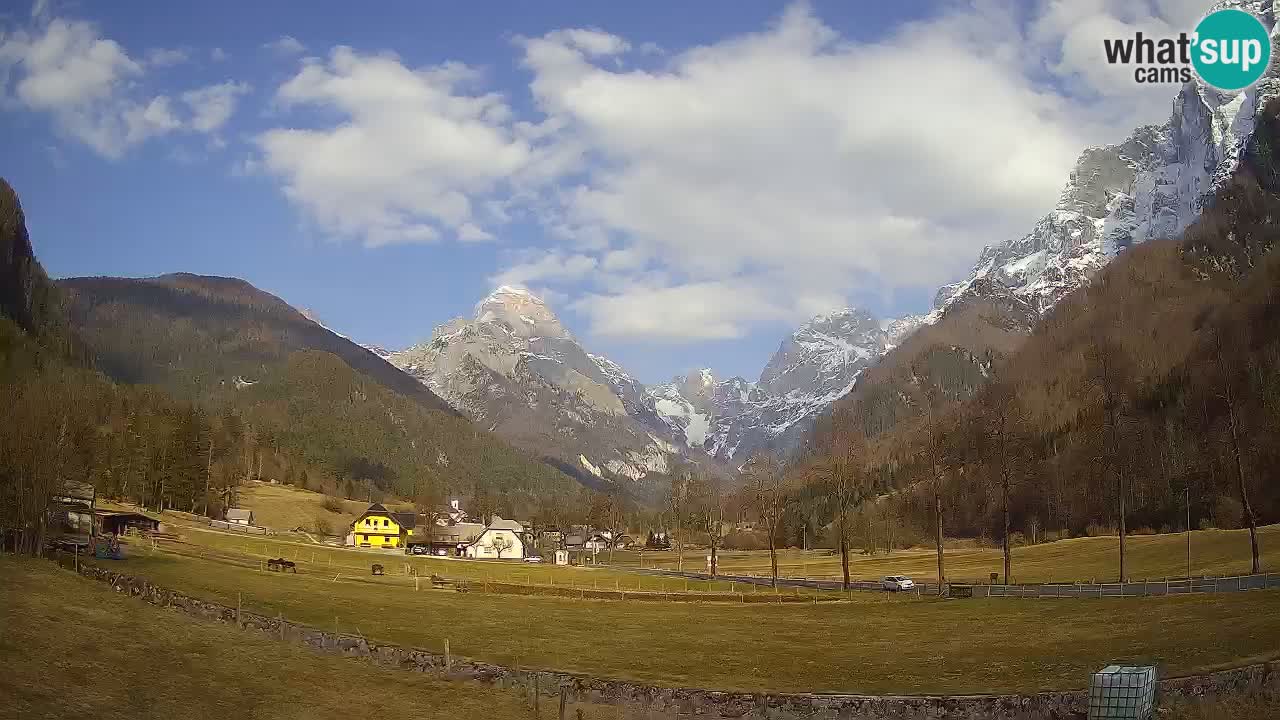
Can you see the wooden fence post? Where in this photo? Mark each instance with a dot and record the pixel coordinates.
(448, 660)
(563, 696)
(239, 602)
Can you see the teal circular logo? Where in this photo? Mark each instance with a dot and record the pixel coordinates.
(1232, 49)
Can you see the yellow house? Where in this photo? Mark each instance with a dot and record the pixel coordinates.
(381, 528)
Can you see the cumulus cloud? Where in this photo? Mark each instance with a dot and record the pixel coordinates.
(94, 90)
(546, 267)
(713, 310)
(66, 69)
(774, 172)
(694, 194)
(413, 147)
(213, 105)
(286, 45)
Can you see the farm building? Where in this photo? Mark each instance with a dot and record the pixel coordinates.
(240, 516)
(70, 515)
(120, 522)
(381, 528)
(499, 539)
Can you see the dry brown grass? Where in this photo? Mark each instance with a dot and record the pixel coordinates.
(70, 647)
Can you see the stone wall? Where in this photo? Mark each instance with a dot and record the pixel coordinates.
(667, 701)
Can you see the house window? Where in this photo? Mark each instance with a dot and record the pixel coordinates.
(384, 523)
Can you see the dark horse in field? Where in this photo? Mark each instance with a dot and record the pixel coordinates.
(281, 565)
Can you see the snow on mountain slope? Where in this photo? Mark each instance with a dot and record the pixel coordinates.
(812, 368)
(1152, 185)
(685, 405)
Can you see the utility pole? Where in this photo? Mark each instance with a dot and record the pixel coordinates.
(1188, 489)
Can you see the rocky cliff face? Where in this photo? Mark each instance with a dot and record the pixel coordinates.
(514, 369)
(811, 369)
(1152, 185)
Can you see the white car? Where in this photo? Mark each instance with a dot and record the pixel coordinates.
(897, 583)
(533, 559)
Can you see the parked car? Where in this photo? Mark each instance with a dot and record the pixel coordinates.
(533, 559)
(420, 549)
(897, 583)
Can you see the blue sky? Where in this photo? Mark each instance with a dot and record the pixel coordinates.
(684, 183)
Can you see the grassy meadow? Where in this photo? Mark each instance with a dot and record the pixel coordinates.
(350, 562)
(1213, 552)
(873, 643)
(73, 648)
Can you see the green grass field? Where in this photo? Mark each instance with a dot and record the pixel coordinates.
(873, 644)
(1213, 552)
(72, 648)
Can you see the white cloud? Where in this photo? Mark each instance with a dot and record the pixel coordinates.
(470, 232)
(720, 310)
(66, 65)
(412, 148)
(96, 93)
(218, 54)
(165, 57)
(66, 69)
(286, 45)
(144, 121)
(770, 175)
(213, 105)
(548, 266)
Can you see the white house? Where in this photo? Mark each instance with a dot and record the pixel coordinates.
(500, 539)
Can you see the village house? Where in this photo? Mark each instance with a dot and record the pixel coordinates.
(451, 514)
(378, 527)
(500, 539)
(597, 542)
(452, 540)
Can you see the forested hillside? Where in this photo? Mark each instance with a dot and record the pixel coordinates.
(311, 394)
(209, 383)
(194, 334)
(1156, 385)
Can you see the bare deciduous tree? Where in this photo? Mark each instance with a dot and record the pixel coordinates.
(843, 446)
(678, 506)
(1110, 375)
(767, 490)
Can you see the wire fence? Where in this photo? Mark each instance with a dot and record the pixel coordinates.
(1136, 588)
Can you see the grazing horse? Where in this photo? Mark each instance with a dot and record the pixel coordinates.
(280, 564)
(377, 569)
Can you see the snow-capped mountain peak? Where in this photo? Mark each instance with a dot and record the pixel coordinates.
(524, 313)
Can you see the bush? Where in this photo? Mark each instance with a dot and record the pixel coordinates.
(332, 504)
(321, 526)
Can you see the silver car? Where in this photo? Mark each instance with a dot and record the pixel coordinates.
(897, 583)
